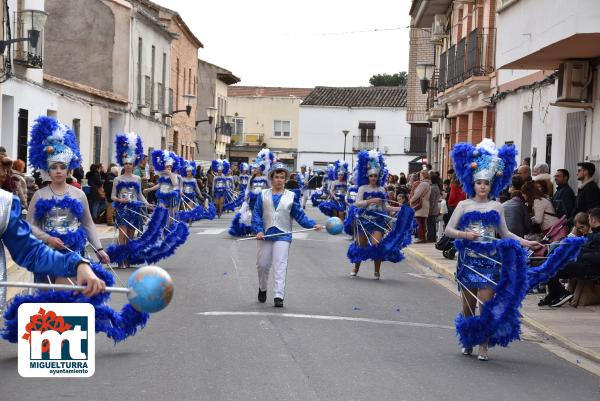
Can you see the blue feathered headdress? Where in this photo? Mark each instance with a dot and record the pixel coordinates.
(163, 158)
(220, 165)
(484, 162)
(129, 148)
(244, 167)
(341, 166)
(52, 142)
(187, 165)
(265, 159)
(370, 161)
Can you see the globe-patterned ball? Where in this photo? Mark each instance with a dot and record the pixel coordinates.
(151, 289)
(334, 225)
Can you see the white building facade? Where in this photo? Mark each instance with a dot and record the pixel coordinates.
(375, 118)
(537, 108)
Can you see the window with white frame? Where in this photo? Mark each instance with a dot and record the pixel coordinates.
(238, 126)
(282, 128)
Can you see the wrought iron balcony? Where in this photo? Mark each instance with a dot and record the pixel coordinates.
(416, 143)
(365, 142)
(473, 55)
(247, 139)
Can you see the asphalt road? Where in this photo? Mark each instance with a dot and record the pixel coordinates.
(338, 338)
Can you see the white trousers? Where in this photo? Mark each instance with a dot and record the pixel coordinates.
(272, 254)
(305, 197)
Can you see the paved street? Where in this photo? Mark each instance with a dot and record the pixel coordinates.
(337, 338)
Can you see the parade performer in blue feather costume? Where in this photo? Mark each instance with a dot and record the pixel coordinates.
(375, 237)
(128, 201)
(231, 197)
(243, 180)
(29, 252)
(244, 177)
(489, 273)
(192, 201)
(337, 187)
(220, 169)
(241, 224)
(60, 217)
(59, 213)
(168, 187)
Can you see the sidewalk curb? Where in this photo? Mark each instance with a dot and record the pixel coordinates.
(530, 322)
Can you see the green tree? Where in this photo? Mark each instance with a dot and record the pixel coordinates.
(398, 79)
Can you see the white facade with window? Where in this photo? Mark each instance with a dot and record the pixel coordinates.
(148, 44)
(530, 113)
(265, 119)
(321, 140)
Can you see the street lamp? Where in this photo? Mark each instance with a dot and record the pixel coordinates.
(345, 132)
(425, 74)
(32, 22)
(188, 107)
(211, 112)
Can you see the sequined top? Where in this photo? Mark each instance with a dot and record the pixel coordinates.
(338, 189)
(130, 192)
(63, 218)
(470, 205)
(258, 184)
(190, 187)
(244, 179)
(366, 192)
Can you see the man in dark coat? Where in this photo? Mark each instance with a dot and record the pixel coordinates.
(564, 197)
(588, 195)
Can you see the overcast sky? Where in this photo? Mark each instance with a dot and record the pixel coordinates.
(300, 43)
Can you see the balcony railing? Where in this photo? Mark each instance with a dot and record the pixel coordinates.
(416, 143)
(365, 143)
(247, 139)
(441, 84)
(473, 55)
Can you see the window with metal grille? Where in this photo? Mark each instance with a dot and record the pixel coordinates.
(77, 129)
(97, 144)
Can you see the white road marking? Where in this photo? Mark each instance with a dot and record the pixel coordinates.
(211, 231)
(323, 317)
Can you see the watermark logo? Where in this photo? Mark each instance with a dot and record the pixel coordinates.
(57, 340)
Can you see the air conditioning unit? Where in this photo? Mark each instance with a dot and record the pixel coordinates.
(438, 29)
(574, 79)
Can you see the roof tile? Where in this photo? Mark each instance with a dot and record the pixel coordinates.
(372, 96)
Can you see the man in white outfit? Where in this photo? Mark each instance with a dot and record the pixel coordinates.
(305, 189)
(272, 214)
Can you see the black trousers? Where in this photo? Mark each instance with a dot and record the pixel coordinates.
(571, 270)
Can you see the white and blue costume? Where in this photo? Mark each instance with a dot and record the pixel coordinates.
(169, 191)
(66, 216)
(242, 221)
(336, 190)
(273, 214)
(220, 186)
(192, 201)
(244, 177)
(368, 218)
(303, 183)
(487, 262)
(129, 149)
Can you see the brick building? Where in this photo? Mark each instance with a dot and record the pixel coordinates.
(465, 73)
(422, 50)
